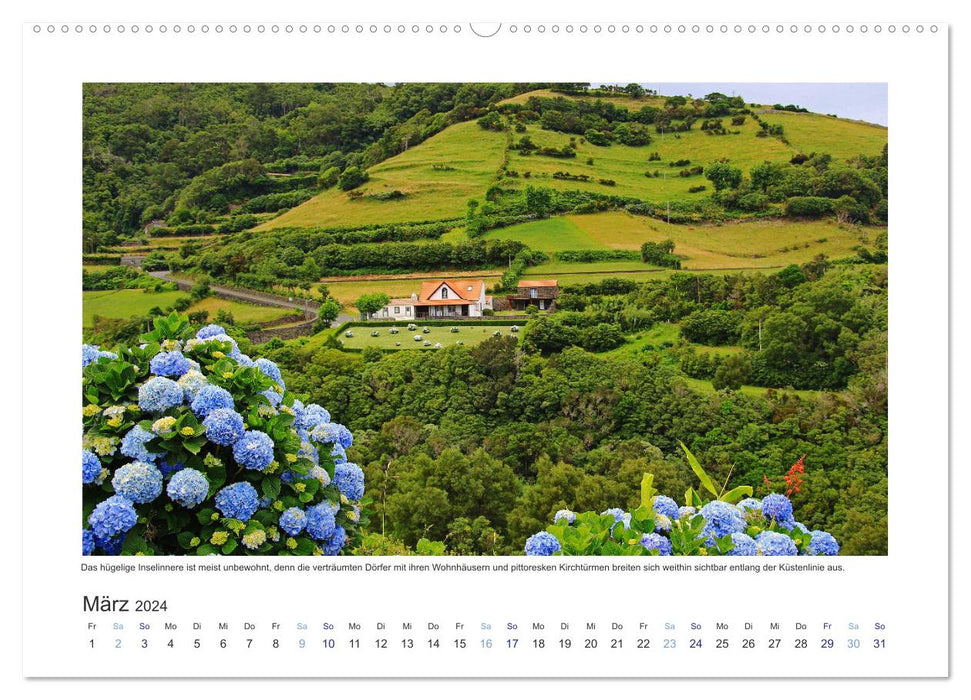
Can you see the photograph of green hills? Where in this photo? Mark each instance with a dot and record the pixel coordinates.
(522, 298)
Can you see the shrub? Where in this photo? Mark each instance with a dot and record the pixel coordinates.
(753, 201)
(238, 223)
(811, 207)
(170, 467)
(723, 176)
(661, 254)
(597, 138)
(733, 371)
(712, 327)
(352, 177)
(328, 177)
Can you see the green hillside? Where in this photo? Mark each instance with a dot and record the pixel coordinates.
(437, 178)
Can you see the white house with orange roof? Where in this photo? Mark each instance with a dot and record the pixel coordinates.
(460, 298)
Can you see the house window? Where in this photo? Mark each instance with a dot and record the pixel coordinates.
(542, 303)
(532, 293)
(408, 310)
(397, 310)
(444, 293)
(384, 311)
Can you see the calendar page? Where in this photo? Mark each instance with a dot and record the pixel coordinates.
(444, 348)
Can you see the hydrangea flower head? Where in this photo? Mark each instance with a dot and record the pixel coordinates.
(112, 517)
(188, 487)
(662, 523)
(656, 543)
(293, 521)
(325, 432)
(209, 398)
(164, 425)
(224, 426)
(721, 519)
(542, 544)
(320, 521)
(312, 416)
(665, 505)
(273, 397)
(338, 453)
(823, 544)
(139, 482)
(238, 500)
(87, 542)
(775, 544)
(270, 369)
(310, 452)
(568, 515)
(332, 545)
(686, 512)
(133, 444)
(254, 450)
(243, 360)
(349, 479)
(744, 546)
(210, 331)
(777, 507)
(321, 475)
(619, 515)
(159, 394)
(170, 364)
(91, 353)
(254, 539)
(344, 436)
(90, 467)
(191, 382)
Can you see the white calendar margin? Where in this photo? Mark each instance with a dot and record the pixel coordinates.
(917, 567)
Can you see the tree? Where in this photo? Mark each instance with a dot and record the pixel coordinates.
(723, 176)
(732, 373)
(538, 200)
(634, 90)
(328, 177)
(352, 177)
(369, 304)
(324, 291)
(329, 310)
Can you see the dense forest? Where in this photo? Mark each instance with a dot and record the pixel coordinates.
(151, 150)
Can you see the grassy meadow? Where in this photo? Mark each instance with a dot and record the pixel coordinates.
(762, 243)
(472, 154)
(124, 303)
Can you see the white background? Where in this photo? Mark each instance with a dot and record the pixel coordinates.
(917, 287)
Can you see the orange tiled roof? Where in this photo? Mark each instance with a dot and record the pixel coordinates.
(470, 290)
(537, 283)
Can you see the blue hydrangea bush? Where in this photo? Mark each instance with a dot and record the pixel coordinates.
(729, 523)
(191, 447)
